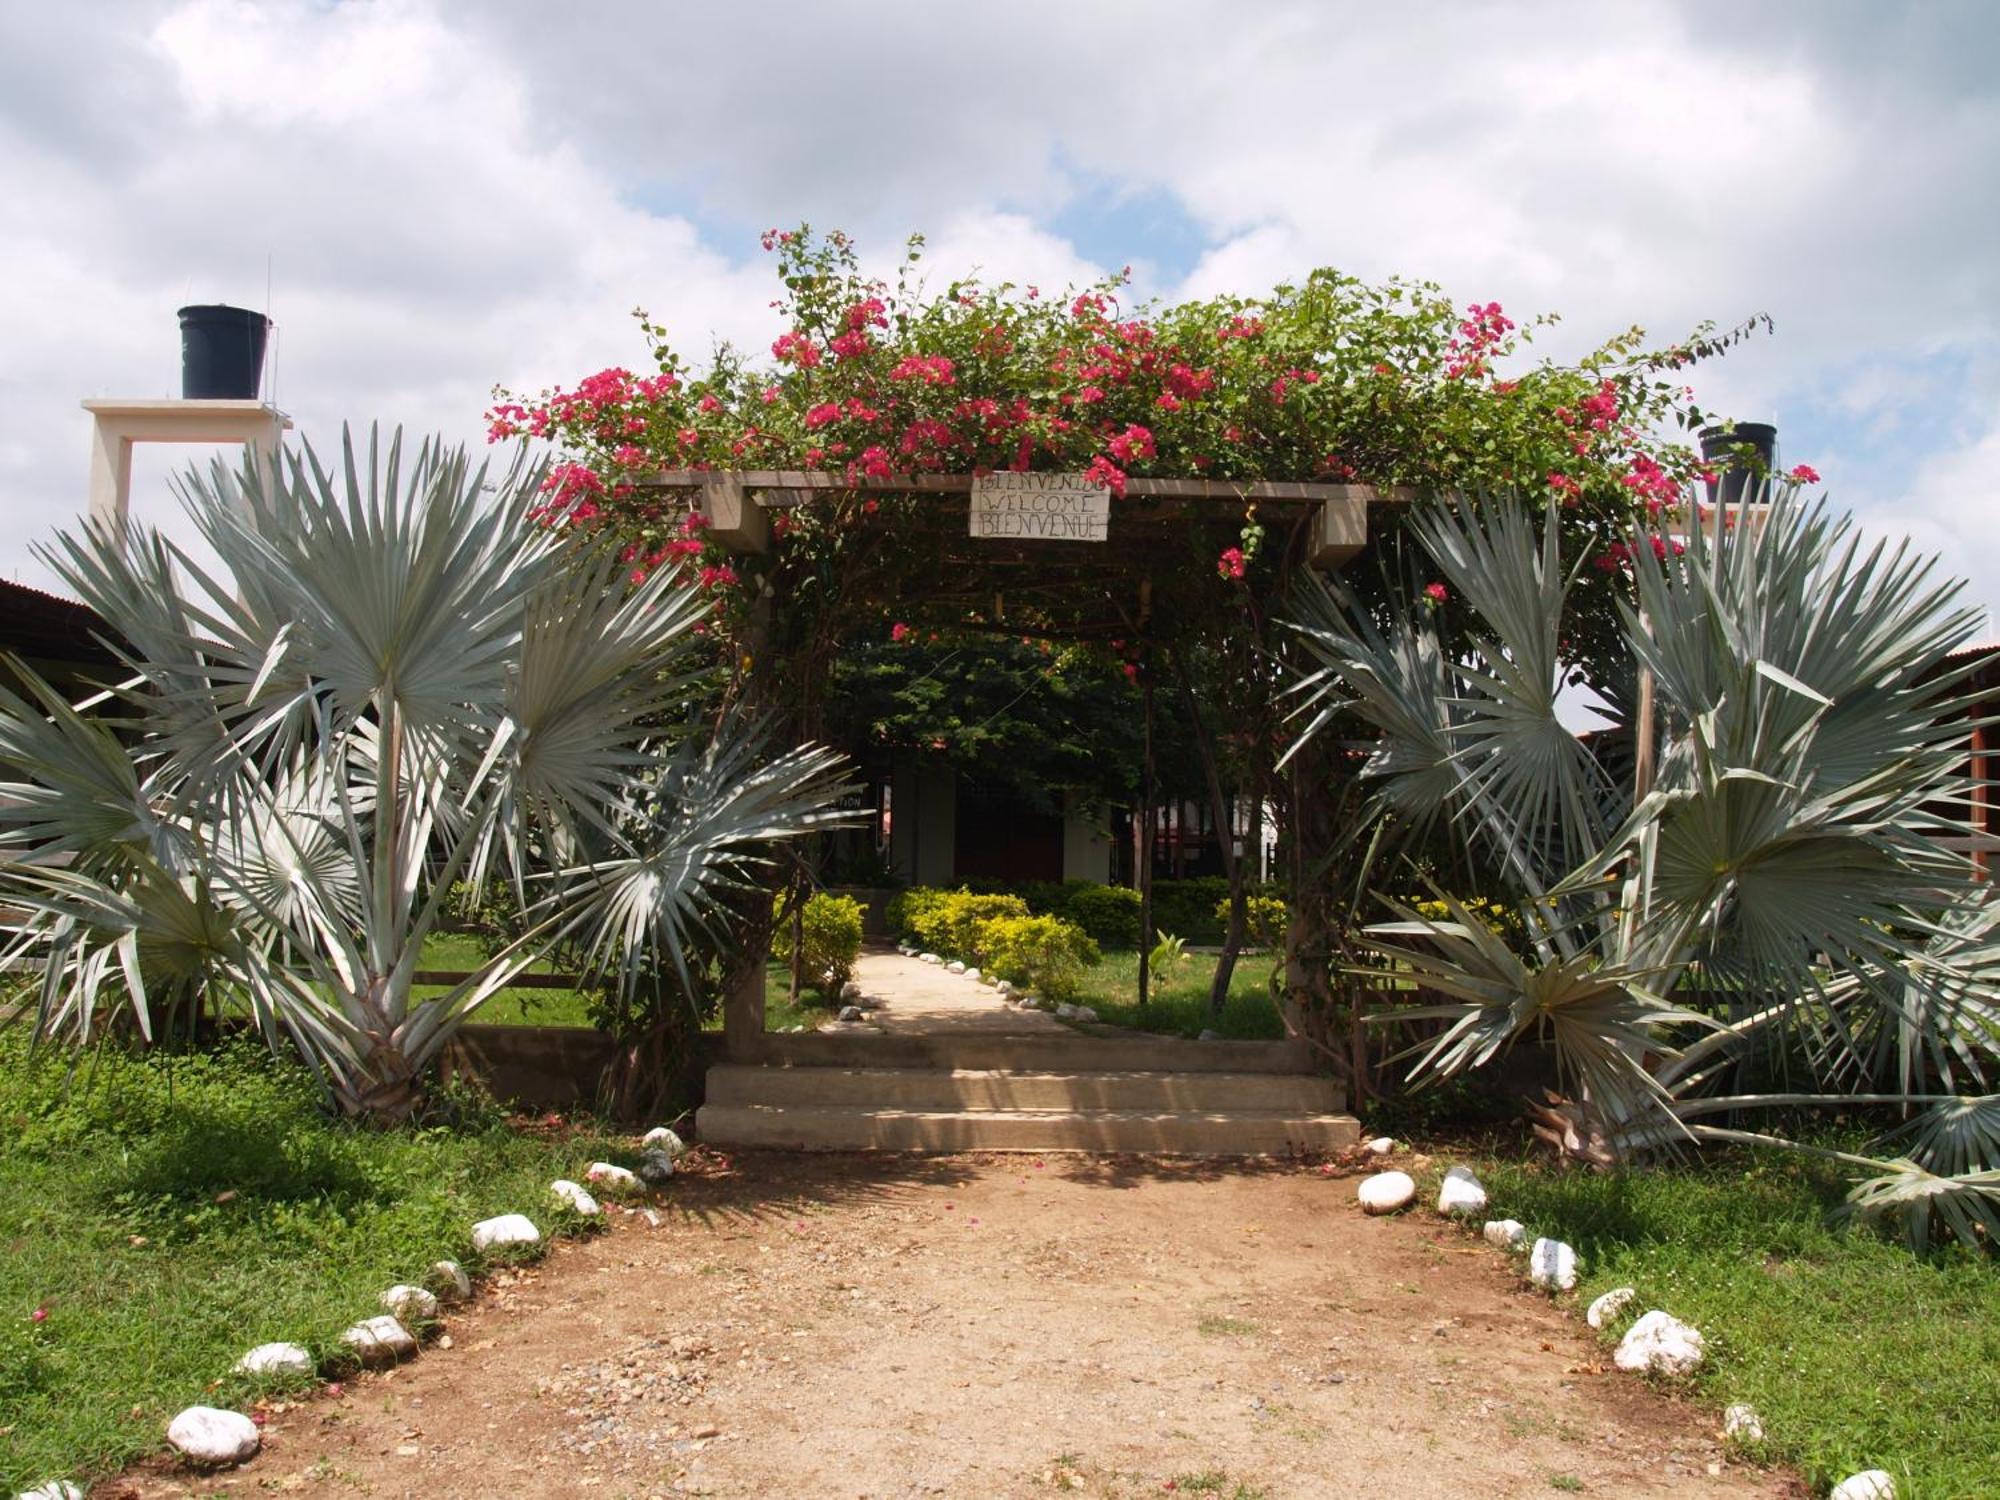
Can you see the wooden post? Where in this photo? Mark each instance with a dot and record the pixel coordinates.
(1147, 817)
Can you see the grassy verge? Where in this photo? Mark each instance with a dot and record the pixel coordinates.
(1855, 1353)
(1179, 1006)
(166, 1214)
(552, 1007)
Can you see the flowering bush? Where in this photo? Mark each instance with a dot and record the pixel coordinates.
(1329, 379)
(830, 941)
(1045, 954)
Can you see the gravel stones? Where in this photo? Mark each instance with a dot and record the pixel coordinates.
(1659, 1344)
(1385, 1192)
(1461, 1194)
(452, 1282)
(1552, 1266)
(507, 1229)
(1609, 1306)
(1869, 1484)
(412, 1304)
(212, 1437)
(609, 1177)
(379, 1341)
(276, 1359)
(1741, 1424)
(659, 1138)
(575, 1195)
(1505, 1234)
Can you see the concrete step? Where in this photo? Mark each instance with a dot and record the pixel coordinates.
(1065, 1052)
(1238, 1132)
(946, 1089)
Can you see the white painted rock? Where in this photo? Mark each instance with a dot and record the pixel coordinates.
(1385, 1192)
(850, 1013)
(956, 966)
(410, 1303)
(1085, 1013)
(662, 1139)
(1209, 1034)
(1005, 986)
(275, 1359)
(1508, 1234)
(507, 1229)
(453, 1284)
(1065, 1011)
(574, 1195)
(973, 974)
(1552, 1266)
(1869, 1484)
(1660, 1343)
(1609, 1306)
(1382, 1145)
(929, 958)
(206, 1435)
(55, 1489)
(610, 1177)
(989, 980)
(379, 1341)
(1461, 1194)
(850, 991)
(1741, 1424)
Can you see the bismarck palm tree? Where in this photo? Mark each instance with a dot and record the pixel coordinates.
(1779, 905)
(396, 681)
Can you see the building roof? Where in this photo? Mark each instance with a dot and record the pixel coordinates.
(38, 625)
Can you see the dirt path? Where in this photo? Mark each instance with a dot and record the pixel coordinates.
(1000, 1326)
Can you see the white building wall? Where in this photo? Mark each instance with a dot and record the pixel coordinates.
(1086, 841)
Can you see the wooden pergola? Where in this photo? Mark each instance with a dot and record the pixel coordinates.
(1152, 513)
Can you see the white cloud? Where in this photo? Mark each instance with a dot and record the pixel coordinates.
(452, 194)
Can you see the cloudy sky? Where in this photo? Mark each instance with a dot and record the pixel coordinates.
(442, 195)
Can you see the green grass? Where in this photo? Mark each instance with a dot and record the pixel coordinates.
(170, 1213)
(545, 1007)
(1856, 1353)
(1179, 1007)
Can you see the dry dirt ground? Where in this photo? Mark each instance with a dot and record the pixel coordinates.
(998, 1326)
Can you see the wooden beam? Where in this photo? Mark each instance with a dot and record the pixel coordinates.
(734, 519)
(787, 487)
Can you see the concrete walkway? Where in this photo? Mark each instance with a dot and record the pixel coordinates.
(916, 998)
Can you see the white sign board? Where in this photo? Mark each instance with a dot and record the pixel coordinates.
(1040, 507)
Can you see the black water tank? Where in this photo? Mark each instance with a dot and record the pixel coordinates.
(222, 353)
(1738, 480)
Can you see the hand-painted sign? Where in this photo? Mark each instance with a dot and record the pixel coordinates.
(1040, 507)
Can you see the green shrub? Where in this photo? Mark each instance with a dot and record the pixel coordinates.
(1109, 913)
(943, 921)
(829, 940)
(1188, 907)
(1046, 954)
(1265, 919)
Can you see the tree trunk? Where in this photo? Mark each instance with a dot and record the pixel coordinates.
(1312, 935)
(1225, 836)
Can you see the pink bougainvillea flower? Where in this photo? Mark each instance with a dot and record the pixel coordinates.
(899, 631)
(1803, 474)
(39, 1315)
(1231, 564)
(1437, 593)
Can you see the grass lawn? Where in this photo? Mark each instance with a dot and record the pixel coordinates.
(1855, 1353)
(1179, 1007)
(166, 1214)
(544, 1007)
